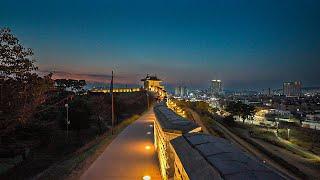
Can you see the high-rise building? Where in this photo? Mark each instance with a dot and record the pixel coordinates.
(177, 91)
(292, 89)
(182, 91)
(216, 86)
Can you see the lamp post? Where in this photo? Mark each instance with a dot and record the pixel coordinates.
(147, 99)
(314, 136)
(112, 104)
(277, 126)
(288, 134)
(68, 122)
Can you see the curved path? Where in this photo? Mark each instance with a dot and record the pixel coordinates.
(130, 156)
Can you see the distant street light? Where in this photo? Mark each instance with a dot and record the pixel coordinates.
(288, 134)
(68, 122)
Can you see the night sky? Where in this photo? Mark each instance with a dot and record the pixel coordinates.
(247, 44)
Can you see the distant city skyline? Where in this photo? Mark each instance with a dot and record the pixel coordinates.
(246, 44)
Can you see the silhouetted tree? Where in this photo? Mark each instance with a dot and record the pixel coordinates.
(21, 88)
(240, 109)
(246, 111)
(229, 120)
(234, 108)
(72, 84)
(100, 108)
(15, 60)
(79, 114)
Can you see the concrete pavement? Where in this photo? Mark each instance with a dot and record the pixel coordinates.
(131, 154)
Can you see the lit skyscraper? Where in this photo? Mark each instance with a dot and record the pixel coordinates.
(216, 86)
(292, 89)
(181, 91)
(177, 91)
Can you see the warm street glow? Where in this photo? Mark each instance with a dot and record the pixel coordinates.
(147, 147)
(173, 106)
(146, 177)
(117, 90)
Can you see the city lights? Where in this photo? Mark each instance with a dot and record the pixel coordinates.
(147, 177)
(160, 90)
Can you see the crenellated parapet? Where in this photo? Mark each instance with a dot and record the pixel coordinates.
(201, 156)
(167, 126)
(185, 153)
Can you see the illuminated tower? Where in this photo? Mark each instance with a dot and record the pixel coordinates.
(216, 86)
(292, 89)
(152, 83)
(177, 91)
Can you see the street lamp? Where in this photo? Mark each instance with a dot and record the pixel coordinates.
(68, 122)
(147, 99)
(277, 126)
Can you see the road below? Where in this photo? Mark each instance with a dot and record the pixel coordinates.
(249, 148)
(130, 156)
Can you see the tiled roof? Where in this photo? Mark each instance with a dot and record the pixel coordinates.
(154, 78)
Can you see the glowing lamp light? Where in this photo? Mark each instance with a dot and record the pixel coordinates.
(147, 147)
(146, 177)
(148, 132)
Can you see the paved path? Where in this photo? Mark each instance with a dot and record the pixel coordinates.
(128, 156)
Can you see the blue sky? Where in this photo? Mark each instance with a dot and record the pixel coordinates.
(246, 43)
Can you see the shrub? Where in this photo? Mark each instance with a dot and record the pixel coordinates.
(229, 120)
